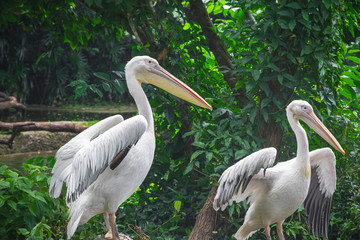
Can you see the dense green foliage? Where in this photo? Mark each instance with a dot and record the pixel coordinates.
(26, 208)
(66, 51)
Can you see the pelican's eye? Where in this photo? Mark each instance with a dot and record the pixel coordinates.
(306, 108)
(151, 62)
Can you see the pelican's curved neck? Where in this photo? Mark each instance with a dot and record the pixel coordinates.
(141, 100)
(301, 138)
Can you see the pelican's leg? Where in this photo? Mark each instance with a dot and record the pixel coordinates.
(115, 233)
(108, 234)
(267, 233)
(279, 230)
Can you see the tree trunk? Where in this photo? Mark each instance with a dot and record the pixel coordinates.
(206, 219)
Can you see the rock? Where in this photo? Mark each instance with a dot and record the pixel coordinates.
(33, 141)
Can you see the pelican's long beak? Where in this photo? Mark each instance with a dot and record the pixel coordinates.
(159, 77)
(314, 122)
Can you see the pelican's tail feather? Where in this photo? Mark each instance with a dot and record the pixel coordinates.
(80, 211)
(242, 234)
(76, 212)
(76, 216)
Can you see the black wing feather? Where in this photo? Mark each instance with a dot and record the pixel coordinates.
(317, 206)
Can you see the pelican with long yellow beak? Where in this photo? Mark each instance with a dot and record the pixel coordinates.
(105, 164)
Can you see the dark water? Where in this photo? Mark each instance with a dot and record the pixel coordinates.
(16, 160)
(58, 114)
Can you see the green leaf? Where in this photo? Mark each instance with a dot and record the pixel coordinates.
(12, 204)
(4, 184)
(292, 24)
(102, 75)
(348, 92)
(40, 198)
(217, 9)
(265, 102)
(239, 154)
(227, 141)
(186, 26)
(81, 87)
(326, 3)
(220, 168)
(238, 85)
(95, 90)
(351, 75)
(265, 87)
(283, 24)
(348, 81)
(23, 231)
(285, 13)
(353, 51)
(256, 74)
(197, 163)
(41, 57)
(294, 5)
(210, 8)
(265, 114)
(218, 112)
(177, 206)
(96, 21)
(106, 87)
(305, 23)
(305, 15)
(198, 144)
(120, 87)
(196, 154)
(209, 155)
(253, 115)
(289, 77)
(231, 209)
(173, 228)
(354, 59)
(188, 168)
(306, 50)
(281, 79)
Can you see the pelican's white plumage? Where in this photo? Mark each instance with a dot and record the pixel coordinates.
(275, 193)
(105, 164)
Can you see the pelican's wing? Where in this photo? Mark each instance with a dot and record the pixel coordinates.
(239, 175)
(65, 155)
(91, 160)
(322, 187)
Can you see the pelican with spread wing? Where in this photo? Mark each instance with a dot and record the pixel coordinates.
(274, 193)
(105, 164)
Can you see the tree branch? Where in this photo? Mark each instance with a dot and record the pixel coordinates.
(15, 128)
(216, 46)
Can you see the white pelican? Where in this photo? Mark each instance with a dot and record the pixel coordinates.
(105, 164)
(275, 193)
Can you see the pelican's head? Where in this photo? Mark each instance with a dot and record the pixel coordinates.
(148, 70)
(302, 110)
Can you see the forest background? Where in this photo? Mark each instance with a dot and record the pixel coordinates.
(248, 59)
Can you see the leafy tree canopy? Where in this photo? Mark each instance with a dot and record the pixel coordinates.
(248, 58)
